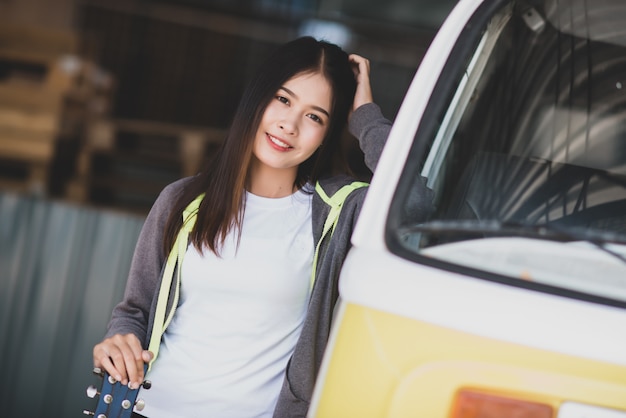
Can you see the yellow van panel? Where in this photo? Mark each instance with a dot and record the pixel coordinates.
(384, 365)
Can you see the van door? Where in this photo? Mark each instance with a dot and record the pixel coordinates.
(510, 298)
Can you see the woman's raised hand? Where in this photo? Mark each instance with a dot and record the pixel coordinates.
(363, 94)
(123, 358)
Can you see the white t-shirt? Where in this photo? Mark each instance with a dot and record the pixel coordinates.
(225, 352)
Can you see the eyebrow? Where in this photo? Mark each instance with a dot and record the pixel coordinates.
(291, 93)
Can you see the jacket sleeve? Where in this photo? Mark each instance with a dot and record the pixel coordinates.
(133, 313)
(368, 124)
(371, 128)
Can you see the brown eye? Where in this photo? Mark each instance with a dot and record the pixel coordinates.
(315, 118)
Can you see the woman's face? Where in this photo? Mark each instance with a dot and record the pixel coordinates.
(294, 123)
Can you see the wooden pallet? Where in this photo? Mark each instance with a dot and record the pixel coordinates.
(35, 76)
(126, 163)
(48, 95)
(28, 132)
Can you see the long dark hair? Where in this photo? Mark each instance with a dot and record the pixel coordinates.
(224, 180)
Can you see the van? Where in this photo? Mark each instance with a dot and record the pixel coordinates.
(509, 299)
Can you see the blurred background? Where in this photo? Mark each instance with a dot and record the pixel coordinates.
(104, 102)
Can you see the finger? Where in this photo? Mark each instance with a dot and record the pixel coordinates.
(355, 61)
(356, 58)
(96, 356)
(102, 360)
(147, 356)
(364, 70)
(118, 357)
(108, 365)
(139, 357)
(361, 65)
(131, 351)
(134, 366)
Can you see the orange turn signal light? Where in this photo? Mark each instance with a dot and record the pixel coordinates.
(472, 404)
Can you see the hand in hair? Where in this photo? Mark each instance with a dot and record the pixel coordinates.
(361, 68)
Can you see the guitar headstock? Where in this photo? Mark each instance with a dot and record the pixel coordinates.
(115, 400)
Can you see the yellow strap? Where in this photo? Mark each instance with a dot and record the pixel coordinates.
(174, 260)
(175, 257)
(336, 203)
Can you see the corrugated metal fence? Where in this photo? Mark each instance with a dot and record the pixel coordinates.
(62, 269)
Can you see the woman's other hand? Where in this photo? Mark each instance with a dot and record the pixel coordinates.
(361, 68)
(123, 358)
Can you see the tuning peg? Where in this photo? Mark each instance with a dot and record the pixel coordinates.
(92, 392)
(85, 412)
(126, 404)
(98, 372)
(146, 384)
(140, 405)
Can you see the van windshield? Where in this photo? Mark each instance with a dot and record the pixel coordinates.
(527, 158)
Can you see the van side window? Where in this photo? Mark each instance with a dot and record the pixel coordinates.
(528, 151)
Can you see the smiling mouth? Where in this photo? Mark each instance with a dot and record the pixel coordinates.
(279, 143)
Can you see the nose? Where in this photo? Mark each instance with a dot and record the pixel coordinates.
(288, 124)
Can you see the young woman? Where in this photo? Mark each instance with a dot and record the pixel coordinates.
(240, 323)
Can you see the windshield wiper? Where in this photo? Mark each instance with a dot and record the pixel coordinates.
(551, 231)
